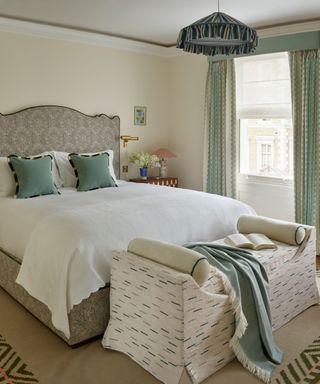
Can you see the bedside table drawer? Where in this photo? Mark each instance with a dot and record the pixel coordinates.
(165, 181)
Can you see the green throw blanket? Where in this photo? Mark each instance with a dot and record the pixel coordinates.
(246, 282)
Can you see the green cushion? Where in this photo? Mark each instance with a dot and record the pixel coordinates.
(92, 171)
(33, 176)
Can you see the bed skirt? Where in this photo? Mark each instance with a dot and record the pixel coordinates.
(87, 319)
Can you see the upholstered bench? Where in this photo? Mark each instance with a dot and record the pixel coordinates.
(165, 321)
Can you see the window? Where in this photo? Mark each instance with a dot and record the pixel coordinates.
(264, 111)
(265, 156)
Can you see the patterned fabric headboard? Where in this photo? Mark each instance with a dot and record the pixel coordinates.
(56, 128)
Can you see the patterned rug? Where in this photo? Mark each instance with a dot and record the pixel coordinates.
(12, 369)
(305, 368)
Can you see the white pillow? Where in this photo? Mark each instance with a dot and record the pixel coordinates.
(7, 182)
(55, 170)
(66, 171)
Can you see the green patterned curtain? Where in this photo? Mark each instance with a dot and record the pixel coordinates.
(221, 128)
(305, 89)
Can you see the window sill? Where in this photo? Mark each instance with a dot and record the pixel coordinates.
(266, 180)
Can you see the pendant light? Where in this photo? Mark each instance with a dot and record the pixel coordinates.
(218, 34)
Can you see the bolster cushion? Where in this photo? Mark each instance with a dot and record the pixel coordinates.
(283, 231)
(173, 256)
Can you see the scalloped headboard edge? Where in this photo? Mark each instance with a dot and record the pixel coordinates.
(57, 128)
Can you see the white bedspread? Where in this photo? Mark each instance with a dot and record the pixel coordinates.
(68, 239)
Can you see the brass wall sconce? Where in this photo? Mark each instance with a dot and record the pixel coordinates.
(127, 138)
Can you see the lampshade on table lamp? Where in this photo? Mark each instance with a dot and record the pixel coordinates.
(163, 154)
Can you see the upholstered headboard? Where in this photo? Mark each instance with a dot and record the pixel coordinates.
(55, 128)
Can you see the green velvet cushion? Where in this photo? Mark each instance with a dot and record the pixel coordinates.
(92, 171)
(33, 176)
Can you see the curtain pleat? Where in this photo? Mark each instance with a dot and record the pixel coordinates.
(221, 128)
(305, 89)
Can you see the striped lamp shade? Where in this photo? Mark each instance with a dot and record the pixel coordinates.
(218, 34)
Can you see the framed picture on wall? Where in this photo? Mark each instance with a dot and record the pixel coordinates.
(140, 115)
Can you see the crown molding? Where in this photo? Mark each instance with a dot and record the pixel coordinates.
(83, 37)
(289, 29)
(103, 40)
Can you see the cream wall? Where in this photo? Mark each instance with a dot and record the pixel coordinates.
(89, 78)
(187, 75)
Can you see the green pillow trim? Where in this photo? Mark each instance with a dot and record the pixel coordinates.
(33, 176)
(91, 171)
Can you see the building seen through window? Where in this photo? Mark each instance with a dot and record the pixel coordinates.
(266, 147)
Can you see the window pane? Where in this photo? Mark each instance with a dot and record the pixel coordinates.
(266, 147)
(263, 83)
(265, 92)
(264, 110)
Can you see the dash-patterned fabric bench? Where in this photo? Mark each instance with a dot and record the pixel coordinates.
(165, 322)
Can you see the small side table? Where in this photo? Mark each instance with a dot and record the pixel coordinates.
(166, 181)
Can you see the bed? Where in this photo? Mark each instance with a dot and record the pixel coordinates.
(62, 244)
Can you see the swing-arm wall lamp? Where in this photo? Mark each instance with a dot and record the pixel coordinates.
(127, 138)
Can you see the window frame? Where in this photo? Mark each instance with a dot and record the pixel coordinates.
(256, 113)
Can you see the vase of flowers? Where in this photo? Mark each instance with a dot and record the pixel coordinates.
(144, 172)
(145, 161)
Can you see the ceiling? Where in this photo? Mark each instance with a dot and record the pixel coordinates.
(154, 21)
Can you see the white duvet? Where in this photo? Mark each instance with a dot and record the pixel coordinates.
(66, 241)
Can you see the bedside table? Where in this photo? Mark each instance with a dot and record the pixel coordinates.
(166, 181)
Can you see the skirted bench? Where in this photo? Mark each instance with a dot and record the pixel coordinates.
(167, 322)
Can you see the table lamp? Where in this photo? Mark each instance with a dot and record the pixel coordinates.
(163, 154)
